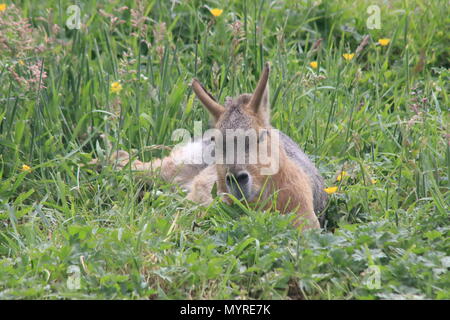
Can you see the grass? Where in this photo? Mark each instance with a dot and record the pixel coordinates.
(70, 231)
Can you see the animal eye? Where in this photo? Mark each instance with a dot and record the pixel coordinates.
(262, 136)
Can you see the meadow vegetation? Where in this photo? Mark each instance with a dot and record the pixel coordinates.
(370, 106)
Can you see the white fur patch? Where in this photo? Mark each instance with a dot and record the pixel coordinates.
(191, 153)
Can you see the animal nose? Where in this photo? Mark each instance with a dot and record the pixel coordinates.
(241, 178)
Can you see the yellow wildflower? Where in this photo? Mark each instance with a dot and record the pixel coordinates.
(313, 64)
(21, 62)
(373, 181)
(348, 56)
(216, 12)
(116, 87)
(2, 7)
(25, 167)
(330, 190)
(384, 42)
(341, 175)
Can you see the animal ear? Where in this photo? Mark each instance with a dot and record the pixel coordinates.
(264, 106)
(259, 103)
(207, 99)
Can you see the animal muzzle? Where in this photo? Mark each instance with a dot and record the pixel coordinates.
(239, 184)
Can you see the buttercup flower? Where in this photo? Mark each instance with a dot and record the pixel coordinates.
(313, 64)
(2, 7)
(384, 42)
(216, 12)
(25, 167)
(348, 56)
(116, 87)
(330, 190)
(341, 175)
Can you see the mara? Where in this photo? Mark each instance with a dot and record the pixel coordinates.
(296, 184)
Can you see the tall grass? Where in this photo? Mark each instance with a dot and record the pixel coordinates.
(382, 117)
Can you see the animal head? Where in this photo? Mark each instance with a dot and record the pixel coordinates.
(244, 130)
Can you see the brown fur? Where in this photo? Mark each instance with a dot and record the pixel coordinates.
(195, 180)
(200, 189)
(294, 193)
(290, 185)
